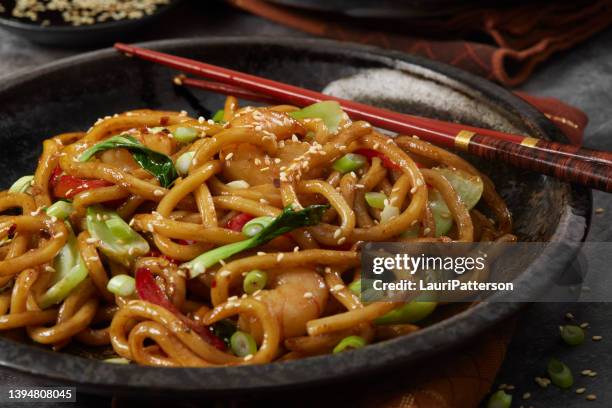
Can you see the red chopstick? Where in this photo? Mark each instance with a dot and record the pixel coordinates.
(569, 163)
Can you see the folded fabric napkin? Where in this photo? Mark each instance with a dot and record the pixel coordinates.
(517, 38)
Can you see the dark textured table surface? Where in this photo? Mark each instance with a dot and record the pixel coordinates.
(581, 77)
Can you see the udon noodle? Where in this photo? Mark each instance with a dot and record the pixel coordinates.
(249, 163)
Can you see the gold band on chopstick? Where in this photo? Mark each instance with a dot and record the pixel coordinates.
(462, 140)
(530, 141)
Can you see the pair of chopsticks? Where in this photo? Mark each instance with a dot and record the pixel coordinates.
(573, 164)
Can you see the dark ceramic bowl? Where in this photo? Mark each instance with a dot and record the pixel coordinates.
(63, 35)
(71, 94)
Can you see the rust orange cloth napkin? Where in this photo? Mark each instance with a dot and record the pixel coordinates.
(517, 39)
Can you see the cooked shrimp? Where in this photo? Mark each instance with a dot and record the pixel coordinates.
(296, 297)
(279, 124)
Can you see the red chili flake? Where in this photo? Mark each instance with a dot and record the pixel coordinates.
(185, 241)
(213, 283)
(164, 120)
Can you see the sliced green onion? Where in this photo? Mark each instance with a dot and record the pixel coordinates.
(184, 162)
(254, 281)
(469, 187)
(218, 116)
(349, 162)
(238, 184)
(572, 335)
(411, 312)
(375, 199)
(117, 360)
(119, 228)
(156, 129)
(255, 226)
(22, 184)
(560, 374)
(442, 216)
(350, 343)
(388, 213)
(355, 287)
(185, 134)
(70, 271)
(287, 221)
(60, 210)
(500, 399)
(243, 344)
(117, 241)
(121, 285)
(329, 111)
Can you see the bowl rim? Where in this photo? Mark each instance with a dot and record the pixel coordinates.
(99, 377)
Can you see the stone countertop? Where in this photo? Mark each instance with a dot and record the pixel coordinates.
(581, 77)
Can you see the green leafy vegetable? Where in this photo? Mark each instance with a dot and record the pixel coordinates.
(349, 162)
(329, 111)
(375, 199)
(70, 270)
(156, 163)
(287, 221)
(117, 241)
(442, 216)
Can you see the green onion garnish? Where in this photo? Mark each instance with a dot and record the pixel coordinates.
(60, 210)
(500, 399)
(349, 162)
(218, 116)
(411, 312)
(255, 226)
(560, 374)
(572, 335)
(121, 285)
(185, 134)
(184, 162)
(375, 199)
(254, 281)
(329, 111)
(350, 343)
(287, 221)
(22, 184)
(243, 344)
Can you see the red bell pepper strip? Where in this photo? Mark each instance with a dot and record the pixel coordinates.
(67, 186)
(149, 291)
(386, 162)
(237, 222)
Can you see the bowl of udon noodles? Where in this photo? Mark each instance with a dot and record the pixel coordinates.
(154, 241)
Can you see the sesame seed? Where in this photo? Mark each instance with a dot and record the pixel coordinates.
(229, 156)
(337, 233)
(580, 390)
(526, 395)
(591, 397)
(260, 253)
(341, 240)
(584, 325)
(264, 169)
(91, 240)
(225, 273)
(597, 338)
(592, 374)
(158, 193)
(280, 257)
(599, 210)
(201, 120)
(248, 357)
(308, 295)
(569, 316)
(337, 288)
(585, 372)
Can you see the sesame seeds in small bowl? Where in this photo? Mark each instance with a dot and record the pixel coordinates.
(74, 23)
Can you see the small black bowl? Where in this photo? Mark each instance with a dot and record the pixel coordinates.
(68, 36)
(72, 94)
